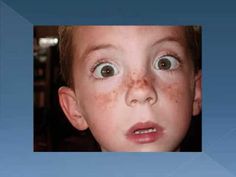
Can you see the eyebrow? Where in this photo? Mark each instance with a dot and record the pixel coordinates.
(93, 48)
(168, 39)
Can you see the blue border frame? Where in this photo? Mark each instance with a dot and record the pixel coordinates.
(16, 79)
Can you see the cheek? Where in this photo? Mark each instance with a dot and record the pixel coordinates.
(178, 97)
(178, 90)
(98, 110)
(174, 92)
(106, 100)
(100, 99)
(177, 108)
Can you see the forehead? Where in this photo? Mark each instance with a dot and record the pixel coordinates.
(90, 35)
(103, 30)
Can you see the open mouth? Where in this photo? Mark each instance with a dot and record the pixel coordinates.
(144, 132)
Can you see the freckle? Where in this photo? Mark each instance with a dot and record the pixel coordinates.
(106, 99)
(170, 92)
(173, 92)
(141, 83)
(138, 83)
(145, 82)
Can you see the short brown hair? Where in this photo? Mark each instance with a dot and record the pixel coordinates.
(194, 41)
(66, 53)
(193, 36)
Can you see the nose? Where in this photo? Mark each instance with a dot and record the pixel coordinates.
(140, 92)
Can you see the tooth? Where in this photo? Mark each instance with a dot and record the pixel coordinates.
(150, 130)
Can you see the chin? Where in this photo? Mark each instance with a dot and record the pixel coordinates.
(148, 148)
(155, 148)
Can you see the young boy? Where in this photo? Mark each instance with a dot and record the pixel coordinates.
(135, 87)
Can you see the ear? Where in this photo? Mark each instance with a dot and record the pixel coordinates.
(197, 102)
(69, 105)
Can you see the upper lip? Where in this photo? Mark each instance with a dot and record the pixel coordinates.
(144, 126)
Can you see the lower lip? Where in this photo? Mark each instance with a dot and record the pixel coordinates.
(144, 138)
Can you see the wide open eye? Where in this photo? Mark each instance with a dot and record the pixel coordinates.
(166, 62)
(104, 70)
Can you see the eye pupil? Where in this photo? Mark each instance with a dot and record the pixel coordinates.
(107, 71)
(164, 64)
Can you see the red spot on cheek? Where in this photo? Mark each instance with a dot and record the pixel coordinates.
(105, 100)
(174, 92)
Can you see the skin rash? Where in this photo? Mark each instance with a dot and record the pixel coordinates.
(106, 100)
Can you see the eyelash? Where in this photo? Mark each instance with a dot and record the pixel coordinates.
(97, 63)
(171, 54)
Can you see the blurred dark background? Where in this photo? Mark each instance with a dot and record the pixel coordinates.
(52, 130)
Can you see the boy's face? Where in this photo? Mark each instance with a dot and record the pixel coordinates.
(134, 86)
